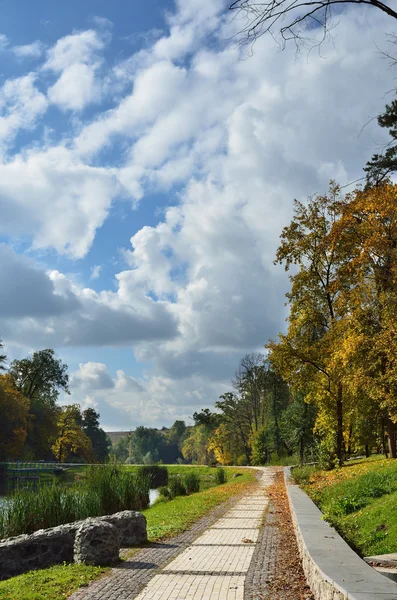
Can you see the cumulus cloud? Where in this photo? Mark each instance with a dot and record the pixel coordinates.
(238, 140)
(48, 309)
(21, 104)
(76, 58)
(33, 50)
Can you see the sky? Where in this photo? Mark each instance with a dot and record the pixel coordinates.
(148, 163)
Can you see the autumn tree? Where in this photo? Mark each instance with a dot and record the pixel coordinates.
(14, 411)
(40, 378)
(304, 355)
(72, 442)
(368, 230)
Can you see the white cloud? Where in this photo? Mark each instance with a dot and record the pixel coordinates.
(33, 50)
(4, 43)
(82, 47)
(77, 59)
(75, 88)
(240, 139)
(21, 104)
(95, 271)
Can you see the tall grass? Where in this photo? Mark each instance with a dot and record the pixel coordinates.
(106, 490)
(220, 476)
(192, 483)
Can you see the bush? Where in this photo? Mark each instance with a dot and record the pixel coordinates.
(302, 475)
(192, 483)
(164, 491)
(176, 487)
(157, 475)
(220, 476)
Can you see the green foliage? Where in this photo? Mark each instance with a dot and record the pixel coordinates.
(176, 487)
(381, 166)
(303, 474)
(3, 357)
(99, 440)
(220, 476)
(40, 378)
(156, 474)
(192, 483)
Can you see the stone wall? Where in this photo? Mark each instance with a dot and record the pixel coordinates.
(52, 546)
(333, 571)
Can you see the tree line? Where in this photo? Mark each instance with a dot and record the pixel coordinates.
(33, 426)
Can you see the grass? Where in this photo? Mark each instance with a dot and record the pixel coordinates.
(359, 500)
(165, 519)
(53, 583)
(104, 490)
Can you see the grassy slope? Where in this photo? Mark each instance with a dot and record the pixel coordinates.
(360, 500)
(164, 519)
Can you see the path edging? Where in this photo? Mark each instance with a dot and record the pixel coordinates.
(332, 569)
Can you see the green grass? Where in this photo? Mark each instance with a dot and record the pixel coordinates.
(53, 583)
(359, 500)
(170, 517)
(164, 519)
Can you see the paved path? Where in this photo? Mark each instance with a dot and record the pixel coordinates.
(230, 560)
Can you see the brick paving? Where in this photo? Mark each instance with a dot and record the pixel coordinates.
(228, 555)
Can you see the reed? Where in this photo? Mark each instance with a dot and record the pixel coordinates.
(106, 490)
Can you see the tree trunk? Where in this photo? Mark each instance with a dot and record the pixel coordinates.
(367, 452)
(339, 432)
(384, 445)
(391, 433)
(301, 451)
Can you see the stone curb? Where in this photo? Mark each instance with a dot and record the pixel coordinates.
(333, 571)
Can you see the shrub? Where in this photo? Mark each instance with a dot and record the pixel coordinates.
(192, 483)
(220, 476)
(176, 487)
(164, 491)
(302, 475)
(157, 474)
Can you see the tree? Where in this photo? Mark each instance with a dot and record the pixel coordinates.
(381, 166)
(293, 18)
(177, 432)
(120, 450)
(196, 448)
(3, 357)
(144, 440)
(40, 379)
(100, 441)
(298, 423)
(304, 356)
(14, 408)
(368, 229)
(43, 375)
(72, 442)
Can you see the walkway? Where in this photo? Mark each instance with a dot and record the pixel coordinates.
(226, 559)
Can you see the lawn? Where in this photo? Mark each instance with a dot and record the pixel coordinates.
(359, 500)
(164, 519)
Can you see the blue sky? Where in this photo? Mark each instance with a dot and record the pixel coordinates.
(147, 167)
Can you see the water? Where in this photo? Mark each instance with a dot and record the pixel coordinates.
(153, 495)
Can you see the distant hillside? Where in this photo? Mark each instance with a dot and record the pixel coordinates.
(115, 436)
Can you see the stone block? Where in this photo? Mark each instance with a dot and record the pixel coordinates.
(131, 526)
(97, 542)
